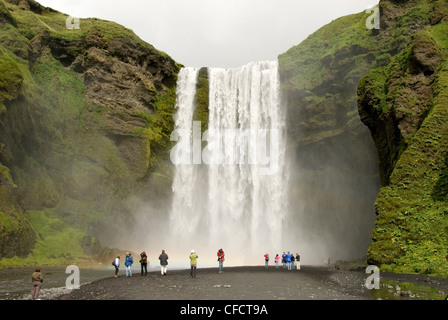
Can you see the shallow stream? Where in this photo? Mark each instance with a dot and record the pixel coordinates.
(395, 290)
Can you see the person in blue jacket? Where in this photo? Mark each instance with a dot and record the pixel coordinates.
(288, 260)
(128, 263)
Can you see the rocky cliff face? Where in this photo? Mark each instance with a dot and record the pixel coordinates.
(416, 66)
(335, 181)
(85, 118)
(86, 114)
(404, 106)
(320, 80)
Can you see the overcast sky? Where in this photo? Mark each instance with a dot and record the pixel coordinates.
(216, 33)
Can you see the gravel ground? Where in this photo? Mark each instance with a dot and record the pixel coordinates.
(239, 292)
(247, 283)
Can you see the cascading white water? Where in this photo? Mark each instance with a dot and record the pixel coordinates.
(183, 213)
(234, 195)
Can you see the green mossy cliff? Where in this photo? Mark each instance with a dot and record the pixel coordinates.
(85, 119)
(336, 180)
(86, 114)
(394, 80)
(404, 104)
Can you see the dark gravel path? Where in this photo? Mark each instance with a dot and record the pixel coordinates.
(247, 291)
(236, 283)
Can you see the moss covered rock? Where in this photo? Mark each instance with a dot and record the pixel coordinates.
(404, 106)
(398, 70)
(85, 117)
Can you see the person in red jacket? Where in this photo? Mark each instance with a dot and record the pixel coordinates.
(266, 260)
(220, 255)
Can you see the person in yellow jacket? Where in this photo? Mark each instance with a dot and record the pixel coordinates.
(193, 263)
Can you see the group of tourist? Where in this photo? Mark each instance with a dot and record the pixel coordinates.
(163, 258)
(289, 261)
(129, 260)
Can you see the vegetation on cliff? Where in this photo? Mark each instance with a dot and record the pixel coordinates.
(333, 150)
(405, 106)
(401, 101)
(85, 118)
(86, 115)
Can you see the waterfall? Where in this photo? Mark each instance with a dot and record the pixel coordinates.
(230, 183)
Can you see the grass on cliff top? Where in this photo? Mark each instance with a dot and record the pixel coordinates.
(343, 32)
(31, 24)
(305, 63)
(411, 231)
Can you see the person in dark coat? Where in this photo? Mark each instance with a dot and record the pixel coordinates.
(144, 263)
(163, 262)
(298, 261)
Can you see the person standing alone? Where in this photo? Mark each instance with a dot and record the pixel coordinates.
(193, 263)
(37, 283)
(116, 264)
(163, 262)
(220, 255)
(144, 263)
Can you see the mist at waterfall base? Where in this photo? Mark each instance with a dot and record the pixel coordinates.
(319, 212)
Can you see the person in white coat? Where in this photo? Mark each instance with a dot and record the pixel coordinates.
(116, 264)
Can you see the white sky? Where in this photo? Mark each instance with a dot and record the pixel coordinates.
(216, 33)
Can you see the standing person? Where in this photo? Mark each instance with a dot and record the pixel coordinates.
(163, 262)
(288, 260)
(284, 260)
(298, 261)
(37, 280)
(277, 259)
(144, 263)
(116, 264)
(193, 263)
(266, 260)
(293, 264)
(128, 263)
(221, 259)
